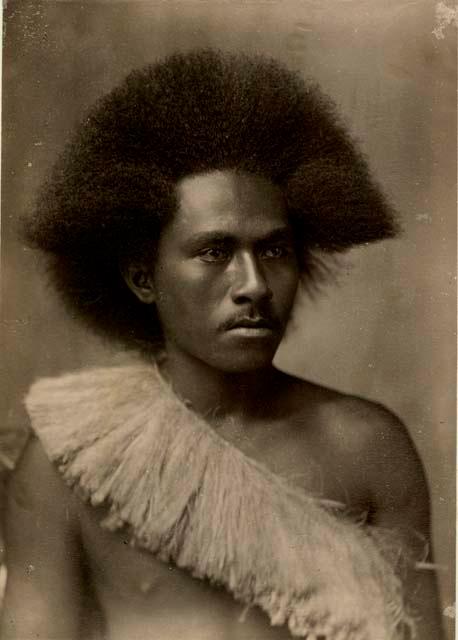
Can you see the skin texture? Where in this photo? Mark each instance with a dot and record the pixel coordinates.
(227, 255)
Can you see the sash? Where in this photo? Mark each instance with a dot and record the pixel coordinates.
(123, 439)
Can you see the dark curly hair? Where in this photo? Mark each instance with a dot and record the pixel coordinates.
(113, 188)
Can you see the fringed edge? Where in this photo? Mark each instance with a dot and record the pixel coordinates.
(207, 506)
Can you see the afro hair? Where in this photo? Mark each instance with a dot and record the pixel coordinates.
(113, 188)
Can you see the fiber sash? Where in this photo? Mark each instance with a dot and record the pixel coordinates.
(122, 438)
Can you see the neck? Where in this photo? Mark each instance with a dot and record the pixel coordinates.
(219, 394)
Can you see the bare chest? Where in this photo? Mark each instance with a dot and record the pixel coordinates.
(132, 584)
(124, 571)
(308, 458)
(140, 596)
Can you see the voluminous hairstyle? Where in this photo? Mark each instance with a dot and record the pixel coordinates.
(113, 188)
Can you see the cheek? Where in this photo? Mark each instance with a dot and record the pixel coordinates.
(284, 286)
(186, 291)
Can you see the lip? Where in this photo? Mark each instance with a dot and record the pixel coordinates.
(258, 322)
(252, 332)
(247, 327)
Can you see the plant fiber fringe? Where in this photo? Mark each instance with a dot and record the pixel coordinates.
(122, 438)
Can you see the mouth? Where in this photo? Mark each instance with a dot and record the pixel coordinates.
(253, 327)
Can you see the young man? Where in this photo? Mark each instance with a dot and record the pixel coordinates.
(199, 492)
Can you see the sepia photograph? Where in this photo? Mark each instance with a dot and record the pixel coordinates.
(228, 320)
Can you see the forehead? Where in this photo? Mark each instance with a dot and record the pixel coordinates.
(229, 201)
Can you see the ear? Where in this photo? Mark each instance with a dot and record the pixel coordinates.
(139, 279)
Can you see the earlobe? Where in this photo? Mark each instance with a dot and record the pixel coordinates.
(140, 282)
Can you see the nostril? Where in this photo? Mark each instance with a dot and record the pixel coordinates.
(252, 296)
(251, 289)
(249, 282)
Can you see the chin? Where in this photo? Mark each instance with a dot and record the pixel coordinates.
(244, 362)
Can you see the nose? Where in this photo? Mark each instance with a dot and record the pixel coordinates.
(249, 283)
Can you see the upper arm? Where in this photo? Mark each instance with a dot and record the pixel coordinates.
(400, 502)
(43, 592)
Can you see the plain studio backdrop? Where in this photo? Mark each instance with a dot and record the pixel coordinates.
(386, 329)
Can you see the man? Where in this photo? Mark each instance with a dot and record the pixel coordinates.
(199, 492)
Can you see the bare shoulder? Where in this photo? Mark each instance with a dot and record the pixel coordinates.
(355, 422)
(371, 450)
(386, 451)
(44, 586)
(371, 447)
(36, 485)
(367, 427)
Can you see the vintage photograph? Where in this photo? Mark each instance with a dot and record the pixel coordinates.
(228, 399)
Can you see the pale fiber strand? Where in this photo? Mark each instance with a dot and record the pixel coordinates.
(123, 439)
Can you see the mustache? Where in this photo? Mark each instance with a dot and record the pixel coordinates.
(253, 319)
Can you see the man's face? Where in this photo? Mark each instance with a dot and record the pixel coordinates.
(226, 273)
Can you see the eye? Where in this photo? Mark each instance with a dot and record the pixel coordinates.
(276, 251)
(214, 254)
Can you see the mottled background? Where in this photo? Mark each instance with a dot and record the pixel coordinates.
(386, 330)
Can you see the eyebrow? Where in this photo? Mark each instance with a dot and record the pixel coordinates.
(209, 237)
